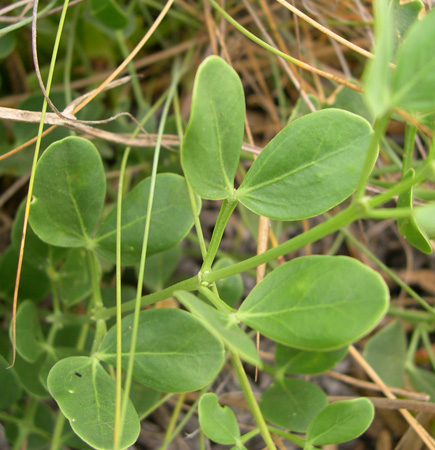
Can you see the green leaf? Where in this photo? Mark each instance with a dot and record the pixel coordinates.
(68, 193)
(231, 288)
(292, 403)
(223, 326)
(312, 165)
(30, 339)
(211, 147)
(317, 302)
(160, 267)
(73, 279)
(218, 423)
(171, 220)
(423, 380)
(292, 360)
(109, 13)
(408, 227)
(377, 73)
(413, 81)
(352, 101)
(340, 422)
(174, 352)
(425, 219)
(28, 373)
(386, 353)
(34, 282)
(85, 393)
(143, 397)
(7, 45)
(404, 15)
(10, 389)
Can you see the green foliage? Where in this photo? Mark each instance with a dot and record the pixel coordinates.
(304, 303)
(174, 353)
(211, 147)
(85, 393)
(319, 167)
(68, 194)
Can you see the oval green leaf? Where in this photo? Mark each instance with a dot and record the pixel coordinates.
(386, 353)
(425, 219)
(171, 220)
(295, 361)
(413, 82)
(68, 194)
(317, 302)
(292, 403)
(174, 352)
(30, 339)
(340, 422)
(223, 326)
(211, 147)
(85, 393)
(313, 164)
(10, 389)
(218, 423)
(231, 288)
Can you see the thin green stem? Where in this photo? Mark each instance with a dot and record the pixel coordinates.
(371, 157)
(408, 147)
(173, 421)
(56, 440)
(118, 378)
(290, 437)
(164, 399)
(135, 326)
(342, 219)
(412, 347)
(411, 316)
(227, 208)
(428, 346)
(389, 213)
(252, 402)
(216, 301)
(69, 55)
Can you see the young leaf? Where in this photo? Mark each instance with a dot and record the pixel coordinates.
(293, 360)
(408, 227)
(312, 165)
(85, 393)
(174, 352)
(10, 389)
(413, 82)
(29, 333)
(340, 422)
(211, 147)
(171, 220)
(223, 326)
(292, 403)
(317, 302)
(386, 353)
(218, 423)
(68, 193)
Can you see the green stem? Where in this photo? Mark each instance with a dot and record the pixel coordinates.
(56, 440)
(173, 421)
(227, 208)
(371, 157)
(412, 347)
(342, 219)
(217, 302)
(252, 402)
(118, 378)
(408, 147)
(186, 285)
(135, 325)
(428, 346)
(290, 437)
(389, 213)
(412, 316)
